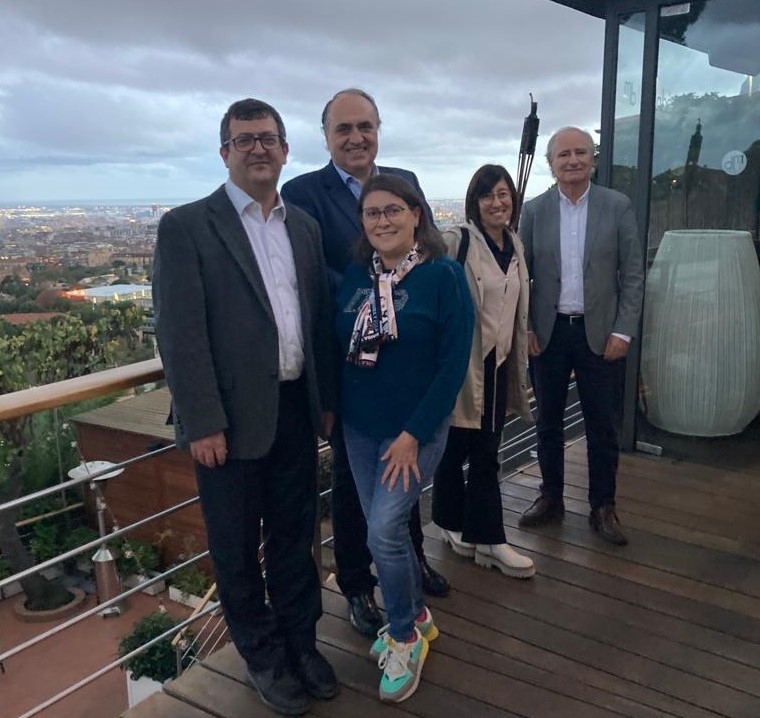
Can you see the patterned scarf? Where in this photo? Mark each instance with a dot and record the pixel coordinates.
(376, 318)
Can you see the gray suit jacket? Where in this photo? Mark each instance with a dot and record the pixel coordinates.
(216, 330)
(613, 270)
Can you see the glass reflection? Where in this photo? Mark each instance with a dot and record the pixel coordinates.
(706, 177)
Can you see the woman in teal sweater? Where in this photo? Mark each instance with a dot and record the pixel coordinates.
(405, 322)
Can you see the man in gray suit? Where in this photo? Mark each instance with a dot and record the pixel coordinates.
(243, 321)
(585, 262)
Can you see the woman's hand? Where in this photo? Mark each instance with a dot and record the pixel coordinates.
(402, 459)
(533, 347)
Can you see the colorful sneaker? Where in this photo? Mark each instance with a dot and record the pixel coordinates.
(426, 627)
(402, 667)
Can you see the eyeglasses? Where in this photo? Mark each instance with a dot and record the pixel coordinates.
(502, 196)
(391, 212)
(245, 143)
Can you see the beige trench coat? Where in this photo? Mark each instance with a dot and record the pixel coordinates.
(469, 405)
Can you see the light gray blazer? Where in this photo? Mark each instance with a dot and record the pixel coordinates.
(613, 268)
(216, 329)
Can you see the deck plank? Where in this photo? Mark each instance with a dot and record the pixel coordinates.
(162, 705)
(668, 626)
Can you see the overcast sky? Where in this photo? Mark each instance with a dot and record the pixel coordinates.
(119, 100)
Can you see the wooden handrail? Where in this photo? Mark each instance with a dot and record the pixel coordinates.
(70, 391)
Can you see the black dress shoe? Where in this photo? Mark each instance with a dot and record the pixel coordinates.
(316, 674)
(364, 614)
(544, 510)
(433, 583)
(605, 522)
(280, 689)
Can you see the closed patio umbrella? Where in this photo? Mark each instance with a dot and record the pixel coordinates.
(527, 151)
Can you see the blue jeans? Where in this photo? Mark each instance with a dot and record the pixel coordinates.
(387, 514)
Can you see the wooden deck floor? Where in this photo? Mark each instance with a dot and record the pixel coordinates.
(667, 626)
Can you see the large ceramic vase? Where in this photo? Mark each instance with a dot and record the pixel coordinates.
(700, 359)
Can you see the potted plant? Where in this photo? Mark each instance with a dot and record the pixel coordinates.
(150, 669)
(137, 561)
(189, 585)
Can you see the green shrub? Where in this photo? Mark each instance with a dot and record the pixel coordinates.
(191, 581)
(135, 555)
(158, 662)
(79, 536)
(46, 541)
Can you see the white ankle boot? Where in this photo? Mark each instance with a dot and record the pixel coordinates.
(454, 539)
(505, 558)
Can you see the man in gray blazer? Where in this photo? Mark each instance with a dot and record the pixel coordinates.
(351, 121)
(244, 326)
(585, 262)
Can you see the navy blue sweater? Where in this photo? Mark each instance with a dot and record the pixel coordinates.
(415, 383)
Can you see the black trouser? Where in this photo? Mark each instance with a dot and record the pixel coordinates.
(474, 509)
(279, 488)
(352, 557)
(569, 351)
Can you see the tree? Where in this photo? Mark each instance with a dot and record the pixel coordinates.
(38, 353)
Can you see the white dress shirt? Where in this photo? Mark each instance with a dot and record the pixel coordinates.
(274, 255)
(573, 217)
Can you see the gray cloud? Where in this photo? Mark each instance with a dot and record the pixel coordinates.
(133, 93)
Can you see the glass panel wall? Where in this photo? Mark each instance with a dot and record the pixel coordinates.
(699, 385)
(625, 148)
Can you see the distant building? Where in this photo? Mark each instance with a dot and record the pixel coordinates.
(140, 294)
(99, 258)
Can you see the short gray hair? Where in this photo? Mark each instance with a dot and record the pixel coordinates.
(550, 144)
(349, 91)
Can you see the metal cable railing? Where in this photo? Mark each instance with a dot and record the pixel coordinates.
(211, 632)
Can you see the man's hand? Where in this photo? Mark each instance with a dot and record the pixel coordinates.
(533, 349)
(616, 348)
(210, 451)
(326, 424)
(402, 459)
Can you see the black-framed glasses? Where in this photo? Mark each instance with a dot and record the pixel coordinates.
(246, 142)
(502, 196)
(391, 212)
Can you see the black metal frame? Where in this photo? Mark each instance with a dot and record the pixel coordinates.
(613, 10)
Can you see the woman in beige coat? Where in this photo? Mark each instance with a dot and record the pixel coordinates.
(469, 514)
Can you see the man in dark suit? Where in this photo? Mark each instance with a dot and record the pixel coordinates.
(351, 122)
(243, 321)
(585, 262)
